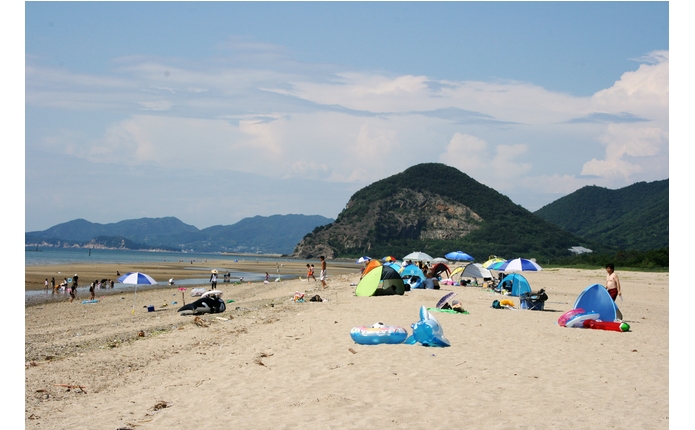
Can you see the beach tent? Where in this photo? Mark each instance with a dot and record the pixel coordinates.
(440, 268)
(413, 275)
(380, 281)
(595, 299)
(370, 266)
(475, 270)
(457, 271)
(519, 284)
(394, 265)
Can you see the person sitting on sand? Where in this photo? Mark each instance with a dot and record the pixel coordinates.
(431, 282)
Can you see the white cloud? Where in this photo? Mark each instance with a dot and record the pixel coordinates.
(159, 105)
(644, 91)
(314, 121)
(467, 153)
(630, 150)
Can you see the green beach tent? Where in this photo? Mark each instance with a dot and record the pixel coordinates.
(381, 281)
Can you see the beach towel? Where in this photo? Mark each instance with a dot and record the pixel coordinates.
(447, 311)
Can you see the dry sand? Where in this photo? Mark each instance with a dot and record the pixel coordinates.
(268, 362)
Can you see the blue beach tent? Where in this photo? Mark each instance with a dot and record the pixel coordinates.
(595, 299)
(519, 284)
(413, 276)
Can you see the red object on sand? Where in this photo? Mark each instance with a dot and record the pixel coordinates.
(603, 325)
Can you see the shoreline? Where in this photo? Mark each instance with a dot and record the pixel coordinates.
(34, 275)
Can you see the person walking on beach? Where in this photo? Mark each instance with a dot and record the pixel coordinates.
(73, 288)
(53, 285)
(310, 272)
(45, 286)
(213, 280)
(91, 291)
(323, 272)
(612, 282)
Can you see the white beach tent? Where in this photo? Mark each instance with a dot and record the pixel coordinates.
(476, 270)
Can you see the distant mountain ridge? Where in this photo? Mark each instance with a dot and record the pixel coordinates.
(633, 217)
(436, 209)
(276, 234)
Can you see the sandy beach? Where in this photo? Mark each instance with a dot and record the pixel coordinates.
(269, 362)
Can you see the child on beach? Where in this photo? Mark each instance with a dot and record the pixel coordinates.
(310, 272)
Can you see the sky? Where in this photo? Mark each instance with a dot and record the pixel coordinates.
(213, 112)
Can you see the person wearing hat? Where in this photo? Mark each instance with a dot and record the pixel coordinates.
(213, 279)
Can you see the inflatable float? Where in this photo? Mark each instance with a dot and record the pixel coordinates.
(378, 333)
(427, 331)
(209, 303)
(604, 325)
(578, 321)
(562, 321)
(579, 318)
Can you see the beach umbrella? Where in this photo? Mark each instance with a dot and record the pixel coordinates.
(136, 278)
(388, 258)
(445, 299)
(520, 265)
(418, 256)
(492, 260)
(363, 259)
(458, 256)
(440, 260)
(496, 265)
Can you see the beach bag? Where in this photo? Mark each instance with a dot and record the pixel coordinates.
(316, 298)
(496, 305)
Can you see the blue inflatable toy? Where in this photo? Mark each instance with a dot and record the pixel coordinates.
(427, 331)
(377, 334)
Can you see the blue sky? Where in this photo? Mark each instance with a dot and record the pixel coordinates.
(212, 112)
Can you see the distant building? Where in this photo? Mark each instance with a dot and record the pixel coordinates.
(579, 250)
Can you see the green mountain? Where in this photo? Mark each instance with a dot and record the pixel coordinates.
(276, 234)
(634, 217)
(436, 209)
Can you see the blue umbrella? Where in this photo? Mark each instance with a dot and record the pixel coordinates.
(363, 259)
(136, 278)
(520, 265)
(458, 256)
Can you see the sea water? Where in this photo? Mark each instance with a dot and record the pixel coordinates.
(52, 256)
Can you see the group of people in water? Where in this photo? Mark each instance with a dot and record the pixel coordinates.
(70, 286)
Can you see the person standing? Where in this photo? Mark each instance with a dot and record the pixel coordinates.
(73, 288)
(323, 272)
(310, 272)
(612, 282)
(53, 285)
(45, 286)
(213, 280)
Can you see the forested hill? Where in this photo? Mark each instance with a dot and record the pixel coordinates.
(634, 217)
(436, 209)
